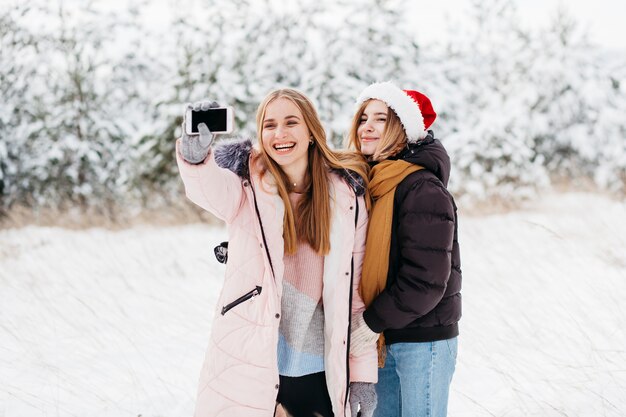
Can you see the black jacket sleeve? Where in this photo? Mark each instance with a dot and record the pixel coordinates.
(424, 233)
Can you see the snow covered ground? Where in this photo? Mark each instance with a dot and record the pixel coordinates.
(115, 323)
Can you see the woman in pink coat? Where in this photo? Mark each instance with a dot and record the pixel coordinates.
(297, 218)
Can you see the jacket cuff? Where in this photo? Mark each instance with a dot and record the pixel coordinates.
(373, 321)
(368, 374)
(364, 368)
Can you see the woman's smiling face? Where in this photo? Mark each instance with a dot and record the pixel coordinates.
(285, 134)
(371, 126)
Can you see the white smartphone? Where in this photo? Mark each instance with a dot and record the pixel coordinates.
(218, 120)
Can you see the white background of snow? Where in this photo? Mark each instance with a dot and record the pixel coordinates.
(115, 323)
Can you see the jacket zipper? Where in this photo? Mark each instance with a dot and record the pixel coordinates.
(256, 291)
(347, 398)
(267, 252)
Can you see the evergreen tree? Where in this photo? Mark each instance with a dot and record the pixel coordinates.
(362, 43)
(18, 51)
(197, 56)
(489, 139)
(577, 99)
(93, 98)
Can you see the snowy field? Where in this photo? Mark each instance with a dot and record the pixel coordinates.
(115, 323)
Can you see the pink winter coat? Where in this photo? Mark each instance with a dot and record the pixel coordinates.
(239, 377)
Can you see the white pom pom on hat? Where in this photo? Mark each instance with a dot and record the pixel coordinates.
(413, 108)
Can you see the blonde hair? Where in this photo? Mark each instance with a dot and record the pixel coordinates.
(311, 221)
(393, 139)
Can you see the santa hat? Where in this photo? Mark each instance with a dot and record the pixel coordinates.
(413, 108)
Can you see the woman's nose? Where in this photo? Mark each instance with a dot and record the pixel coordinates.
(279, 132)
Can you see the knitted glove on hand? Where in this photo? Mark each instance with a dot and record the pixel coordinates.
(363, 395)
(362, 338)
(195, 148)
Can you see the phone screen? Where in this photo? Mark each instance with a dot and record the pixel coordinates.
(215, 120)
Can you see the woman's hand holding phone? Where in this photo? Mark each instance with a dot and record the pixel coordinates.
(195, 147)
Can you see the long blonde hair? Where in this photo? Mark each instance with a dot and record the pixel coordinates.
(311, 221)
(393, 139)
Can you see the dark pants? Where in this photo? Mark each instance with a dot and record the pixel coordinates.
(305, 396)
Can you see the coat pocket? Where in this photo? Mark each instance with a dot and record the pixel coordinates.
(247, 296)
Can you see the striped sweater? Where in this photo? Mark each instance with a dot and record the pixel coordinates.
(301, 332)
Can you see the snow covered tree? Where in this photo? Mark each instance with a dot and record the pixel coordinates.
(93, 92)
(18, 51)
(609, 134)
(578, 98)
(69, 134)
(489, 118)
(361, 43)
(522, 107)
(197, 55)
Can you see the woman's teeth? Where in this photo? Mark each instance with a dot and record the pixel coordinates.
(284, 147)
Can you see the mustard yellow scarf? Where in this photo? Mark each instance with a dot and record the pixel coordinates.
(384, 178)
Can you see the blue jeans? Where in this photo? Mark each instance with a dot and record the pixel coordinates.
(415, 381)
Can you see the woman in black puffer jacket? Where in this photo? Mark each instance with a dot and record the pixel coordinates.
(412, 274)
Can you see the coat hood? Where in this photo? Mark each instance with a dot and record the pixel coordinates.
(430, 154)
(234, 155)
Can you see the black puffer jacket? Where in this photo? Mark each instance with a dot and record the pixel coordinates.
(422, 300)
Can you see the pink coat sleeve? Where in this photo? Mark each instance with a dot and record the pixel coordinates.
(363, 368)
(217, 190)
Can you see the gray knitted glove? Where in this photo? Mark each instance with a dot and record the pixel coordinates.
(195, 148)
(363, 399)
(362, 338)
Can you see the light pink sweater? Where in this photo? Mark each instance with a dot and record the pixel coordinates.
(301, 332)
